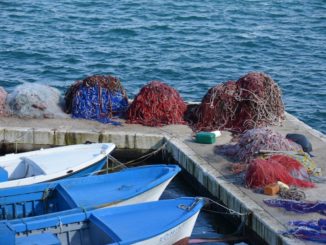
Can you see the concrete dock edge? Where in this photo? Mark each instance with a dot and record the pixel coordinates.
(261, 222)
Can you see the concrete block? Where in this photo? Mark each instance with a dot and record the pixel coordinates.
(59, 137)
(43, 136)
(148, 141)
(80, 137)
(19, 135)
(2, 134)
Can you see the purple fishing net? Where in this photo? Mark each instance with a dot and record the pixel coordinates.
(253, 141)
(313, 230)
(298, 206)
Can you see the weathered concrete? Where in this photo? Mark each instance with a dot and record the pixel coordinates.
(210, 169)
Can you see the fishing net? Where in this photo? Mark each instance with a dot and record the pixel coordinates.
(263, 172)
(305, 160)
(295, 168)
(33, 100)
(312, 230)
(97, 98)
(253, 141)
(157, 104)
(253, 101)
(298, 206)
(3, 96)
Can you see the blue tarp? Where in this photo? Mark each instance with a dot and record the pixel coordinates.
(98, 103)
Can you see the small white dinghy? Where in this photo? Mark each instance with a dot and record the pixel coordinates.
(51, 164)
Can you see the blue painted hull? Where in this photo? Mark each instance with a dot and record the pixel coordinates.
(86, 192)
(118, 225)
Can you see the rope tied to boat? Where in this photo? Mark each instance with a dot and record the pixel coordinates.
(84, 210)
(46, 194)
(189, 208)
(60, 224)
(231, 211)
(131, 162)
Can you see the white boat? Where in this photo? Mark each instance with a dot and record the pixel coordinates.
(52, 164)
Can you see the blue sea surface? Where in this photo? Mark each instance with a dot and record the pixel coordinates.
(191, 45)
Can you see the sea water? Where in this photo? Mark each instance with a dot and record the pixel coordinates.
(191, 45)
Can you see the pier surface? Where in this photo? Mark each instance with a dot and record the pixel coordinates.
(210, 169)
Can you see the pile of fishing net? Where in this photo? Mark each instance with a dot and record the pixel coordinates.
(312, 230)
(33, 100)
(157, 104)
(3, 96)
(302, 207)
(251, 102)
(253, 141)
(262, 172)
(97, 98)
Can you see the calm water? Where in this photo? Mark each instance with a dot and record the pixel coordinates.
(192, 45)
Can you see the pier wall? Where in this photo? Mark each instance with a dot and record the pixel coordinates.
(198, 160)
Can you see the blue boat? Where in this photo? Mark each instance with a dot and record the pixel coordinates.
(129, 186)
(51, 164)
(161, 222)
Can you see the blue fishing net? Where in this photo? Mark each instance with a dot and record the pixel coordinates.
(313, 230)
(298, 206)
(98, 103)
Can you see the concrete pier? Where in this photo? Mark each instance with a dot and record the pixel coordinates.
(199, 160)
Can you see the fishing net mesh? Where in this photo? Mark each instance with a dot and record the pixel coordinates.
(97, 97)
(3, 96)
(33, 100)
(157, 104)
(262, 172)
(252, 101)
(108, 82)
(252, 141)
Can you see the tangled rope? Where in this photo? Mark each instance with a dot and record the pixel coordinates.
(157, 104)
(253, 101)
(293, 193)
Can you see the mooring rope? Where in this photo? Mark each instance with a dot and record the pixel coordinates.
(129, 163)
(231, 211)
(241, 227)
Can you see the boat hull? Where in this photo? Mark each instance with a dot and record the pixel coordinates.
(178, 235)
(161, 222)
(131, 186)
(54, 170)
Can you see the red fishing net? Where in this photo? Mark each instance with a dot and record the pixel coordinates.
(251, 142)
(262, 172)
(253, 101)
(157, 104)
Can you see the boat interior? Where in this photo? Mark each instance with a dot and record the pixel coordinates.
(34, 165)
(90, 231)
(37, 203)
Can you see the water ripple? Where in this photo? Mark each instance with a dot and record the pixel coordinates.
(192, 45)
